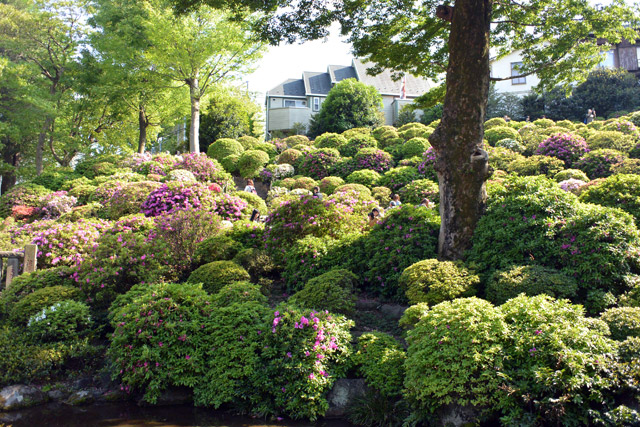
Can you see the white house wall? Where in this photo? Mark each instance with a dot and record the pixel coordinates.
(284, 118)
(501, 68)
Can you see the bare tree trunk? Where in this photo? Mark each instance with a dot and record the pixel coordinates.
(143, 123)
(11, 157)
(40, 144)
(194, 128)
(462, 164)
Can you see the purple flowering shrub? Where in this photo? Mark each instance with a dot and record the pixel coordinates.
(55, 204)
(133, 161)
(374, 159)
(304, 353)
(180, 232)
(61, 243)
(564, 146)
(598, 163)
(127, 199)
(248, 233)
(317, 163)
(230, 207)
(624, 126)
(428, 166)
(105, 191)
(204, 168)
(306, 216)
(178, 195)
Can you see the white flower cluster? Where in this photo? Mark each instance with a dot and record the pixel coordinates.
(283, 171)
(276, 192)
(181, 175)
(39, 317)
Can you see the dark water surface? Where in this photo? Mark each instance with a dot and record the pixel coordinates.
(130, 414)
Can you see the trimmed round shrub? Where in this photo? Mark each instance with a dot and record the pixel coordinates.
(495, 122)
(268, 148)
(454, 353)
(571, 174)
(529, 280)
(27, 194)
(356, 143)
(224, 147)
(623, 126)
(617, 191)
(350, 133)
(397, 178)
(230, 207)
(173, 196)
(54, 179)
(128, 199)
(253, 202)
(627, 166)
(56, 204)
(571, 185)
(412, 130)
(611, 140)
(289, 156)
(251, 163)
(230, 163)
(203, 168)
(624, 322)
(294, 140)
(65, 320)
(374, 159)
(598, 163)
(567, 124)
(248, 141)
(331, 291)
(328, 184)
(511, 144)
(41, 299)
(382, 195)
(387, 136)
(497, 133)
(304, 182)
(420, 189)
(27, 283)
(380, 360)
(180, 175)
(257, 262)
(237, 293)
(544, 123)
(330, 140)
(357, 188)
(217, 274)
(216, 248)
(564, 146)
(499, 158)
(559, 361)
(415, 147)
(318, 163)
(536, 165)
(366, 177)
(434, 281)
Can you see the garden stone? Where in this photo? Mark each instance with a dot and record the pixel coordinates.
(83, 382)
(393, 311)
(20, 396)
(457, 415)
(342, 395)
(82, 397)
(57, 395)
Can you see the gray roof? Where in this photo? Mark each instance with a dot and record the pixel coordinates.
(316, 83)
(341, 72)
(290, 87)
(385, 84)
(319, 83)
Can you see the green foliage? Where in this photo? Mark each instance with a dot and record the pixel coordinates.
(419, 189)
(257, 262)
(609, 90)
(366, 177)
(434, 281)
(216, 248)
(27, 283)
(498, 133)
(571, 174)
(301, 359)
(536, 165)
(331, 291)
(40, 299)
(616, 191)
(494, 122)
(599, 163)
(397, 178)
(383, 194)
(380, 360)
(253, 202)
(454, 353)
(530, 280)
(63, 321)
(613, 140)
(349, 104)
(415, 147)
(624, 322)
(356, 143)
(53, 179)
(128, 198)
(251, 163)
(217, 274)
(238, 292)
(330, 140)
(289, 156)
(223, 148)
(512, 145)
(329, 183)
(354, 188)
(500, 158)
(557, 362)
(27, 194)
(413, 314)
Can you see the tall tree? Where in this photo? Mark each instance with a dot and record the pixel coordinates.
(558, 40)
(48, 35)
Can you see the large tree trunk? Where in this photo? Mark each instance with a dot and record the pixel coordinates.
(40, 144)
(461, 163)
(143, 124)
(11, 157)
(194, 128)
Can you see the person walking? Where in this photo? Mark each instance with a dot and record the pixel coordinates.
(250, 188)
(395, 201)
(589, 117)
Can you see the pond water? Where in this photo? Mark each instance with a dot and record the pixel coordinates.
(130, 414)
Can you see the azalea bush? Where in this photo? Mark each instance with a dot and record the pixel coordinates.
(432, 281)
(397, 178)
(598, 163)
(203, 168)
(65, 320)
(26, 194)
(617, 191)
(427, 166)
(317, 163)
(372, 158)
(380, 359)
(331, 291)
(128, 198)
(178, 195)
(420, 189)
(564, 146)
(54, 205)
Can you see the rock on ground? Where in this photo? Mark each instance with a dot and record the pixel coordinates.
(342, 395)
(20, 396)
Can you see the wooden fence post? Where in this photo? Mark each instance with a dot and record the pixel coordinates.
(30, 254)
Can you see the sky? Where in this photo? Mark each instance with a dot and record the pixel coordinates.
(289, 61)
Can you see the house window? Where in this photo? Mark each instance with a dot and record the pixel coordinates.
(294, 103)
(609, 60)
(515, 71)
(316, 104)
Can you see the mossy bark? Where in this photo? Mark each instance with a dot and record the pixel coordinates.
(462, 164)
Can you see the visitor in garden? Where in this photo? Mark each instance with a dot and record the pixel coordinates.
(377, 212)
(255, 216)
(250, 188)
(507, 118)
(372, 219)
(316, 193)
(395, 201)
(590, 116)
(425, 203)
